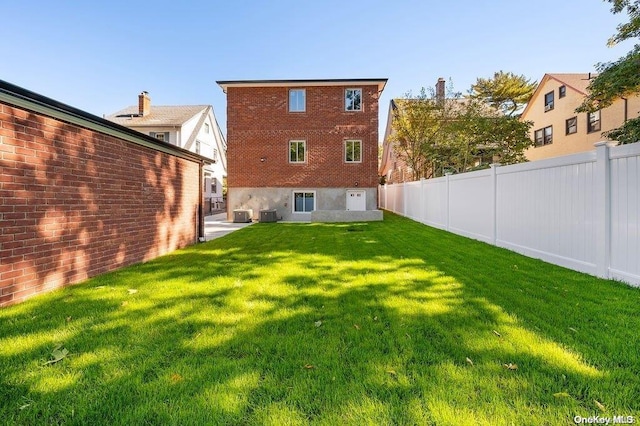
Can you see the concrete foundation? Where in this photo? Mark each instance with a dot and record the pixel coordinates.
(345, 216)
(281, 200)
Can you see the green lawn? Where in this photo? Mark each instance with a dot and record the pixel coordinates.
(379, 323)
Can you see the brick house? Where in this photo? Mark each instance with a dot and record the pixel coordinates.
(81, 195)
(305, 148)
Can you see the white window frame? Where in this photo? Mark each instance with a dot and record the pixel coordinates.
(346, 99)
(304, 144)
(206, 128)
(346, 142)
(294, 107)
(293, 204)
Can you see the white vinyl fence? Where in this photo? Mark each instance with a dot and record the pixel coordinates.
(580, 211)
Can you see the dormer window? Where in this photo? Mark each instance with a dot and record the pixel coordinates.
(548, 102)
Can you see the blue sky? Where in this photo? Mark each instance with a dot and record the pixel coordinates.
(97, 56)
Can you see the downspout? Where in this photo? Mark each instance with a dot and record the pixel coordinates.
(626, 109)
(200, 229)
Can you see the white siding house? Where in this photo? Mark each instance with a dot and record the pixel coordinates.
(192, 127)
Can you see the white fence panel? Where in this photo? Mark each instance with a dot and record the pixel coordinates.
(625, 213)
(471, 205)
(546, 209)
(580, 211)
(413, 200)
(436, 202)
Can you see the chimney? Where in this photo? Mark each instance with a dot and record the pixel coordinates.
(144, 104)
(440, 89)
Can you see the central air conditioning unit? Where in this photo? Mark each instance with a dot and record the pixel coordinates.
(242, 216)
(268, 216)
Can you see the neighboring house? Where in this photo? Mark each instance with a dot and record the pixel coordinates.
(557, 129)
(393, 168)
(305, 148)
(192, 127)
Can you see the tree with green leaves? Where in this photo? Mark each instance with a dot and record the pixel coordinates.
(506, 91)
(619, 79)
(419, 127)
(435, 135)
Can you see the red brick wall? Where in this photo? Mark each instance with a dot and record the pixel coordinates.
(75, 203)
(259, 125)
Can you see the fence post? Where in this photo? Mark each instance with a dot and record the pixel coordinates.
(494, 202)
(603, 209)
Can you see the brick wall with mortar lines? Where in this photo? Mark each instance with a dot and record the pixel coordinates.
(260, 126)
(75, 203)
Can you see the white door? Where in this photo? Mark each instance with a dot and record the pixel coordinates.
(356, 200)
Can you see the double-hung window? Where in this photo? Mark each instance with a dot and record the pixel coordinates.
(593, 121)
(548, 101)
(353, 100)
(548, 135)
(572, 125)
(297, 151)
(297, 100)
(353, 151)
(543, 136)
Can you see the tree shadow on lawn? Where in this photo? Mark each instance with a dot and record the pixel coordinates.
(324, 324)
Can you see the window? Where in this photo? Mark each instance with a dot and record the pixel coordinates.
(198, 147)
(353, 100)
(214, 185)
(543, 136)
(572, 125)
(593, 121)
(297, 151)
(206, 127)
(304, 202)
(539, 137)
(548, 135)
(548, 101)
(562, 91)
(297, 100)
(353, 151)
(161, 136)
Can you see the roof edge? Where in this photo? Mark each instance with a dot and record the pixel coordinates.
(31, 101)
(380, 82)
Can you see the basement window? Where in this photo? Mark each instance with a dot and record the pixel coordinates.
(304, 202)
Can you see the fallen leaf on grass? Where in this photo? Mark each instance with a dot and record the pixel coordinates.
(68, 319)
(318, 323)
(573, 329)
(392, 372)
(469, 361)
(308, 367)
(132, 291)
(175, 378)
(497, 334)
(511, 366)
(561, 395)
(599, 405)
(58, 354)
(356, 326)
